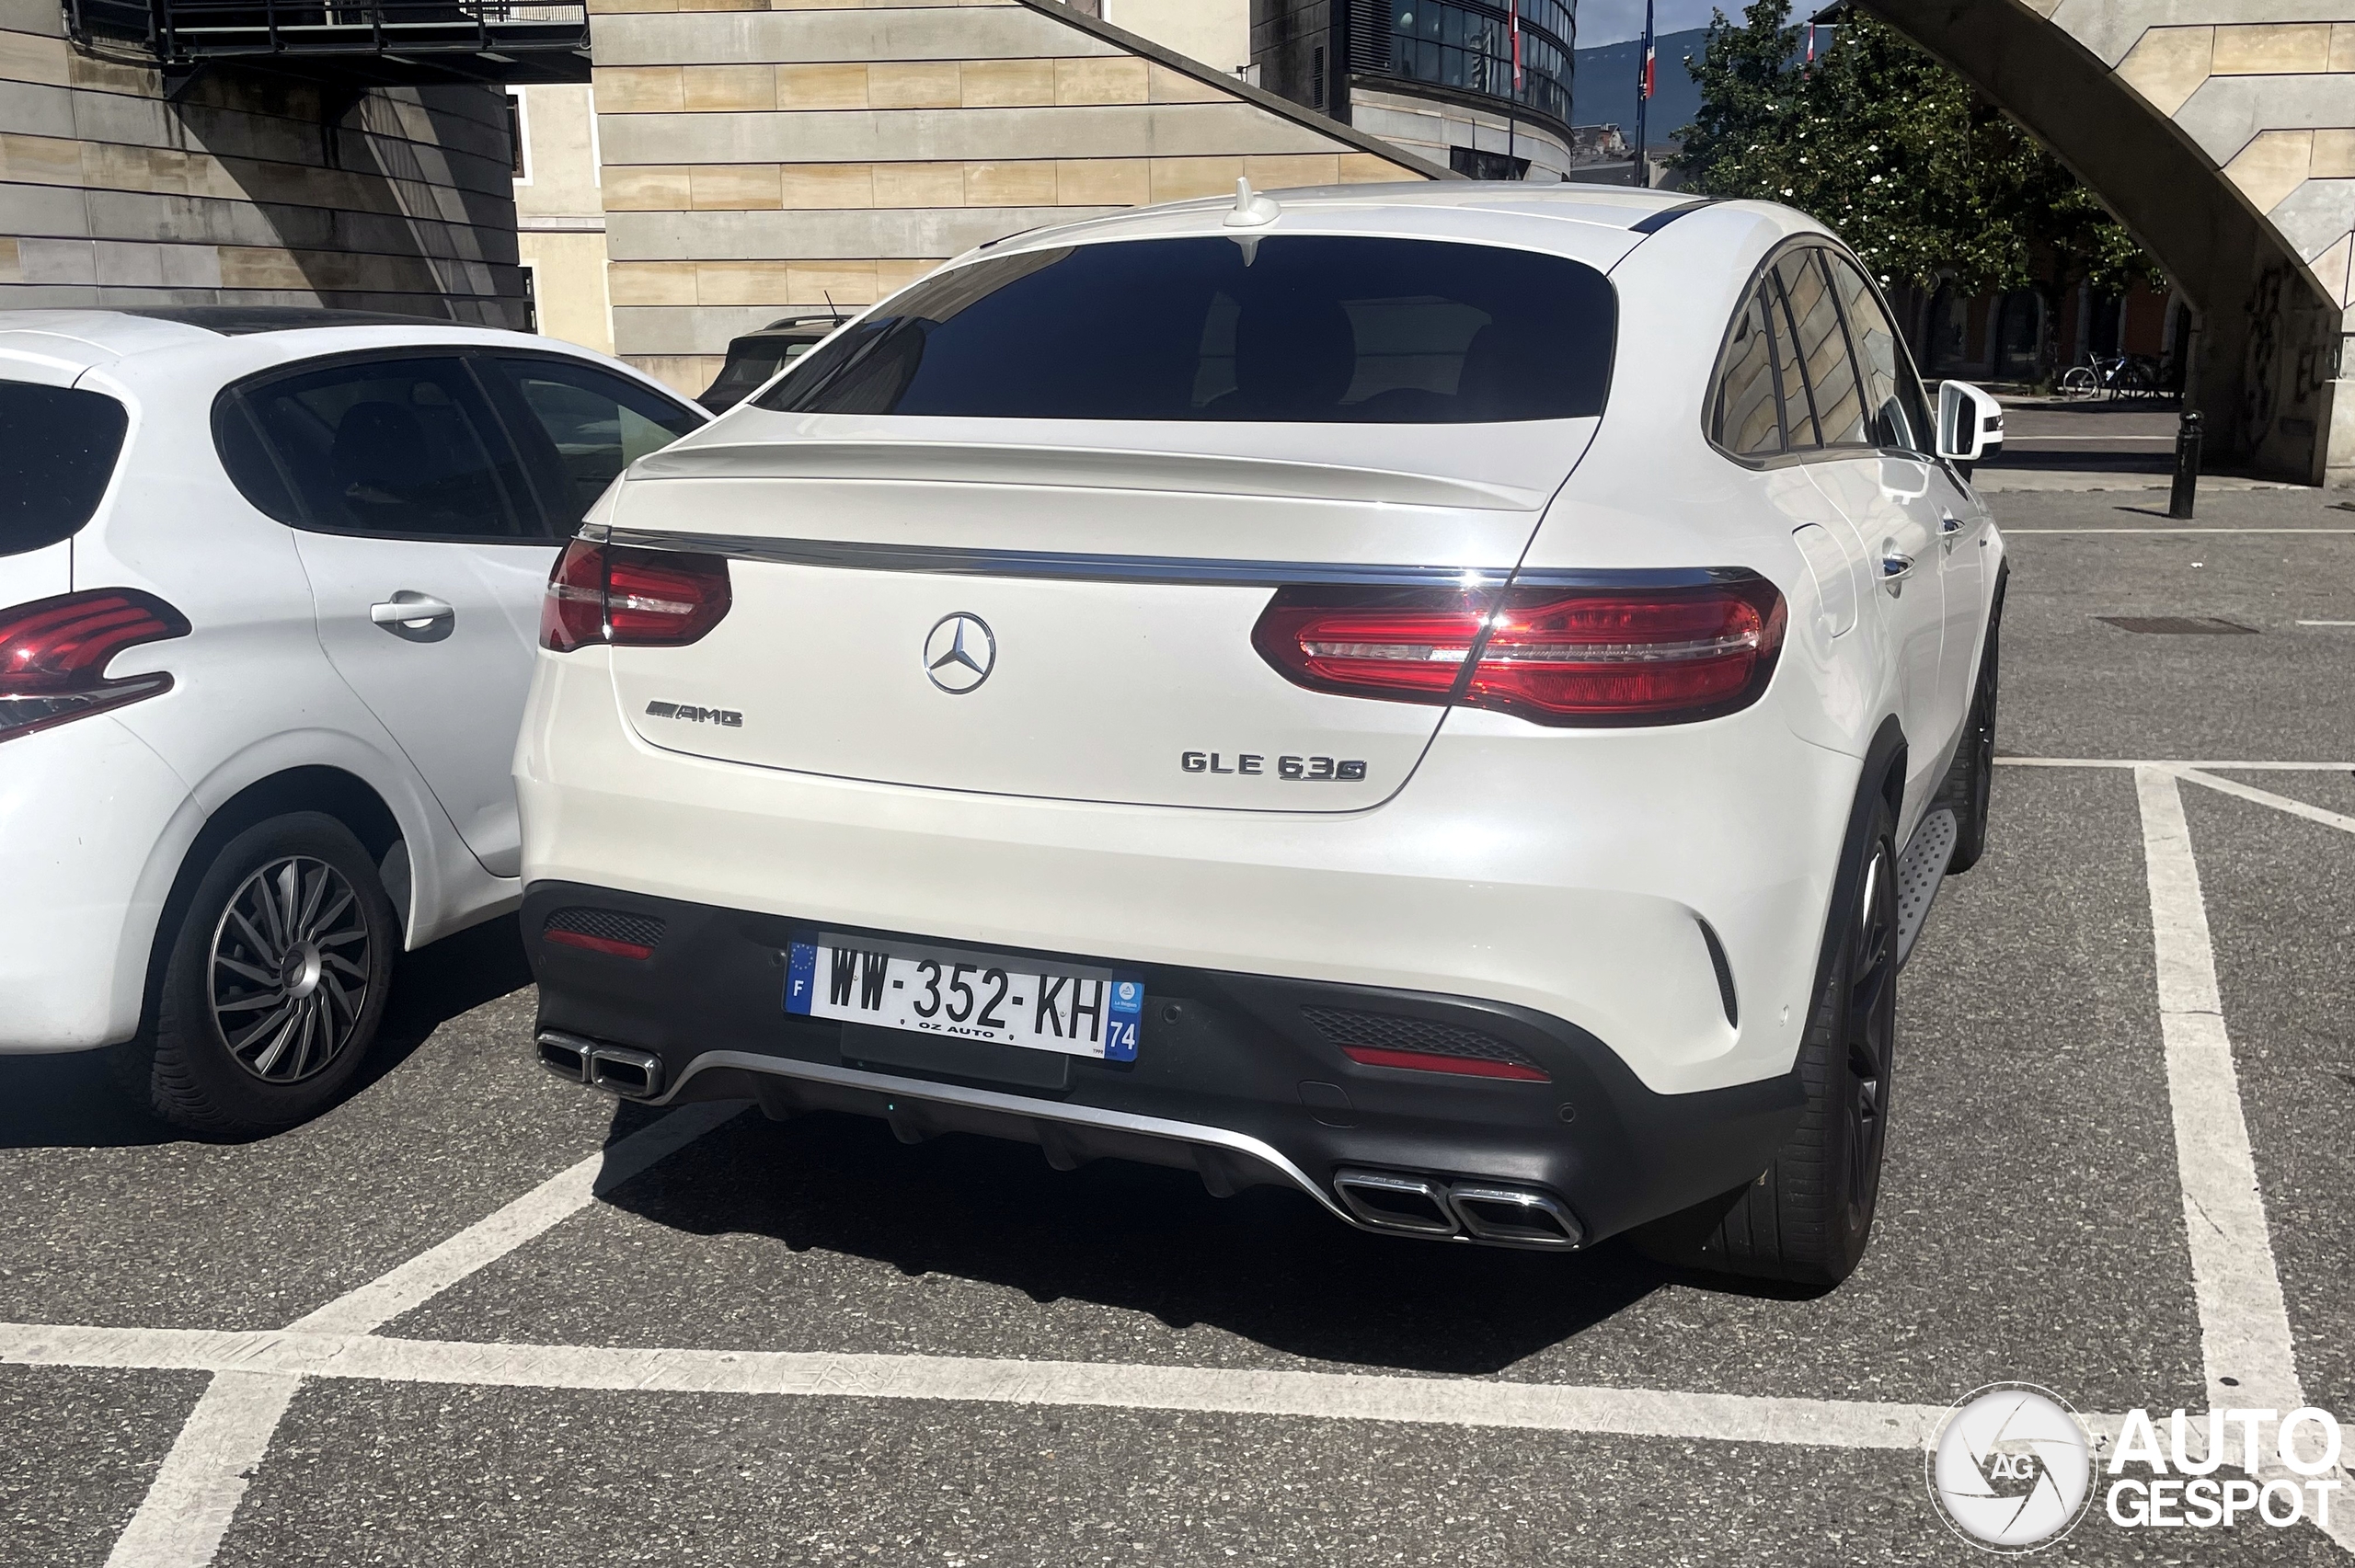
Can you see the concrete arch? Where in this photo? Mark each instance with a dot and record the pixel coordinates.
(2222, 133)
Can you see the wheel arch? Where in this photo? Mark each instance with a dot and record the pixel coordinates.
(1880, 781)
(327, 790)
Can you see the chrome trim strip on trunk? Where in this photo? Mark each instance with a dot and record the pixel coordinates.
(949, 560)
(1009, 1104)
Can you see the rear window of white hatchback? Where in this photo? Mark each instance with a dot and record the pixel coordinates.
(1306, 328)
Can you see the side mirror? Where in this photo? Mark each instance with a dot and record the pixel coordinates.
(1970, 423)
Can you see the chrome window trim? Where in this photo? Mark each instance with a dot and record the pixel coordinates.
(949, 560)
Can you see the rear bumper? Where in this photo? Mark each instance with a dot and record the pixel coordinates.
(1232, 1077)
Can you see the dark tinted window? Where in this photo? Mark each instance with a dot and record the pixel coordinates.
(1895, 409)
(57, 452)
(1745, 417)
(597, 424)
(390, 446)
(750, 363)
(1822, 349)
(1327, 329)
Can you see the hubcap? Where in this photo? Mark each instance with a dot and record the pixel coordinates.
(289, 974)
(1871, 1032)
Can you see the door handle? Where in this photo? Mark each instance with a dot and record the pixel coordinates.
(409, 609)
(1948, 526)
(1895, 566)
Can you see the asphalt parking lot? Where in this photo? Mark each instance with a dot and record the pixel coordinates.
(440, 1327)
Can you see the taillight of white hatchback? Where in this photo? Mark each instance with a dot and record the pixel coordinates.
(54, 655)
(1555, 656)
(631, 598)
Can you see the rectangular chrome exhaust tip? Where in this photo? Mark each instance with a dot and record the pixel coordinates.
(1518, 1215)
(1389, 1200)
(618, 1070)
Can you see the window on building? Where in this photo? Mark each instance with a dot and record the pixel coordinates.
(518, 143)
(1474, 163)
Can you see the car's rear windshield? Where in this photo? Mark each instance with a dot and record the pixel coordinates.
(57, 451)
(1295, 327)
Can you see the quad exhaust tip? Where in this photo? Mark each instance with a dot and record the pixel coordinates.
(618, 1070)
(1497, 1212)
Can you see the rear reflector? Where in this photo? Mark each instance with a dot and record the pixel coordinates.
(605, 944)
(1431, 1061)
(631, 598)
(54, 655)
(614, 933)
(1565, 657)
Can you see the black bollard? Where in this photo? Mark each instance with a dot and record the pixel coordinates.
(2187, 464)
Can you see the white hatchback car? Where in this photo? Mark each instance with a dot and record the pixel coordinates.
(1453, 698)
(269, 581)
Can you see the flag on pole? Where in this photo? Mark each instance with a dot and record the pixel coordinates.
(1811, 43)
(1648, 67)
(1513, 25)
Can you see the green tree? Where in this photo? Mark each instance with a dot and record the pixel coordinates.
(1926, 180)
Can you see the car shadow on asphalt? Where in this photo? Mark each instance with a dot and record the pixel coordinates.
(72, 1101)
(1267, 1265)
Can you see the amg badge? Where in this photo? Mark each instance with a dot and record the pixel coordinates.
(727, 718)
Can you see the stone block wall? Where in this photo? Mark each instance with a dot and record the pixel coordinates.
(112, 195)
(762, 160)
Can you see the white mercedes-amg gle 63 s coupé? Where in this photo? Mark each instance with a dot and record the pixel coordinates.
(1454, 699)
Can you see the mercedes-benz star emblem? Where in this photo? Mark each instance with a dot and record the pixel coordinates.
(958, 653)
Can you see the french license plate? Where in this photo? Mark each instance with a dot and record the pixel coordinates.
(1042, 1006)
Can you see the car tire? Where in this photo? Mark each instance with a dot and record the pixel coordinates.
(1970, 782)
(1806, 1219)
(272, 985)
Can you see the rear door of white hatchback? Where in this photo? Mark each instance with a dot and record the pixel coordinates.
(429, 488)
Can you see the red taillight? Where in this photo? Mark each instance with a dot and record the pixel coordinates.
(54, 655)
(1555, 656)
(573, 613)
(611, 593)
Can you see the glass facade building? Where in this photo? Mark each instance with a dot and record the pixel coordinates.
(1467, 45)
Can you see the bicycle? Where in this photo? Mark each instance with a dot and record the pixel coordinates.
(2121, 375)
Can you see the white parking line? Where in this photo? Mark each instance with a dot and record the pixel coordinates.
(2244, 1326)
(2249, 1354)
(197, 1488)
(1335, 1396)
(2175, 765)
(2344, 823)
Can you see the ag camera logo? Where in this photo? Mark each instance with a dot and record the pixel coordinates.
(2011, 1470)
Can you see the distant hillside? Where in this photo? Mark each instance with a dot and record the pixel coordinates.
(1604, 91)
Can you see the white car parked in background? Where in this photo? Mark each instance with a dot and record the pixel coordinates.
(1451, 698)
(269, 584)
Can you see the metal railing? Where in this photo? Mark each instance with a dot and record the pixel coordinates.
(182, 30)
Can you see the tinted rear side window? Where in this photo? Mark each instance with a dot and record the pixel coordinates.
(57, 451)
(395, 447)
(1746, 416)
(1302, 327)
